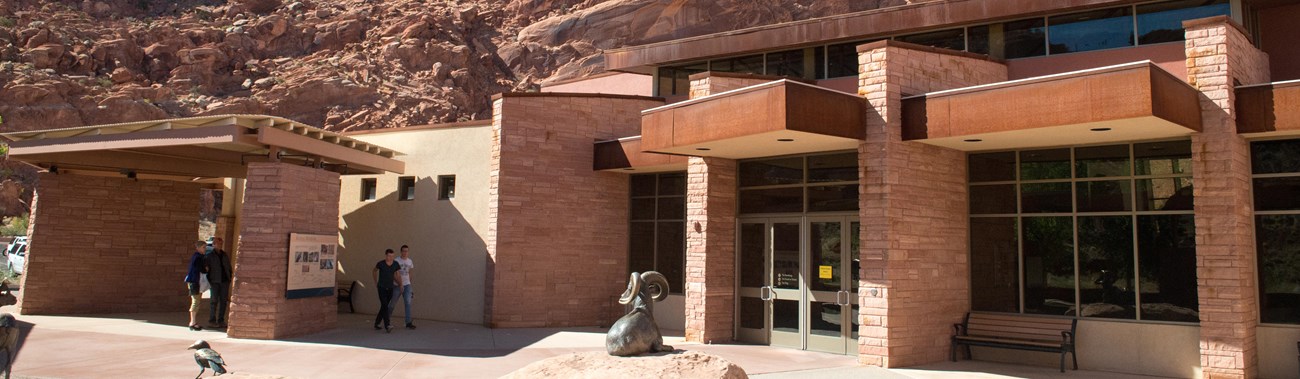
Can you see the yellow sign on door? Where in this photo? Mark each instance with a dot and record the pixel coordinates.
(825, 272)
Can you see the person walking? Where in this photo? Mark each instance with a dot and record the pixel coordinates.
(219, 276)
(192, 278)
(385, 280)
(405, 290)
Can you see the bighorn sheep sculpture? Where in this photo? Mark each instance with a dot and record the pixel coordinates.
(636, 332)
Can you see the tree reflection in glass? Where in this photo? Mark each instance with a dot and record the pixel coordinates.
(1049, 265)
(1106, 267)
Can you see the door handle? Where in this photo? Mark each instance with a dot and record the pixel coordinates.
(847, 298)
(765, 293)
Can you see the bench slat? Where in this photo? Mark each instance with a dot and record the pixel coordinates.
(995, 329)
(1010, 341)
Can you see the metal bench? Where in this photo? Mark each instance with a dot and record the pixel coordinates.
(1016, 332)
(345, 291)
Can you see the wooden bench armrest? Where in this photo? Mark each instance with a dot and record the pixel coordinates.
(1067, 337)
(958, 329)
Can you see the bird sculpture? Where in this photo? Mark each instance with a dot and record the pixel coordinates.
(207, 358)
(8, 340)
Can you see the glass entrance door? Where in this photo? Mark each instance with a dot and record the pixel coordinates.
(798, 282)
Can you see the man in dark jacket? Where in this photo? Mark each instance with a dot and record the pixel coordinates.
(218, 264)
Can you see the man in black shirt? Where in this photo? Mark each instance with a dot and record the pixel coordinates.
(218, 263)
(385, 280)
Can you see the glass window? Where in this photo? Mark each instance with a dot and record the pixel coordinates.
(1105, 196)
(1162, 158)
(1163, 22)
(787, 63)
(641, 247)
(368, 190)
(993, 199)
(406, 188)
(771, 200)
(752, 64)
(833, 168)
(833, 198)
(842, 59)
(1083, 230)
(995, 265)
(1278, 247)
(1045, 164)
(1277, 194)
(753, 247)
(1106, 274)
(978, 39)
(771, 172)
(657, 239)
(1101, 161)
(952, 39)
(1167, 259)
(446, 187)
(1164, 194)
(1092, 30)
(676, 80)
(670, 253)
(1045, 198)
(1024, 38)
(992, 167)
(1049, 265)
(1275, 157)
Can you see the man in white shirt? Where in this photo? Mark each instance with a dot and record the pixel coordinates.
(405, 291)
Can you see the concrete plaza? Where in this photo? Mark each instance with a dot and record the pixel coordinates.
(153, 346)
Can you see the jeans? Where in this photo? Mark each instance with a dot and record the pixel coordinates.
(405, 294)
(220, 303)
(385, 306)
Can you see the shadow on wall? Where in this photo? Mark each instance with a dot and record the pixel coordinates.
(448, 279)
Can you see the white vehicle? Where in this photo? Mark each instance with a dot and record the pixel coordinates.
(16, 255)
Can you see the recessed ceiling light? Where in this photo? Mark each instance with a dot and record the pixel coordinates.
(703, 149)
(973, 140)
(785, 139)
(1099, 129)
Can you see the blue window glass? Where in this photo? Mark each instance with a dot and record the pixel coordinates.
(1163, 22)
(951, 39)
(1092, 30)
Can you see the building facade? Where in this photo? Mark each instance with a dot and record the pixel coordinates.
(855, 184)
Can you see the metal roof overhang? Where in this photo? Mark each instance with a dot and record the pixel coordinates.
(1269, 110)
(1128, 102)
(197, 148)
(625, 154)
(774, 118)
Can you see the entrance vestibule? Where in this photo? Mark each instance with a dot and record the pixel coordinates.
(798, 282)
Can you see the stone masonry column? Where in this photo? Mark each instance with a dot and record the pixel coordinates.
(1219, 58)
(279, 199)
(710, 249)
(913, 208)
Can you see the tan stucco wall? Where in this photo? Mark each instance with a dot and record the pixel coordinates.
(446, 236)
(622, 83)
(1277, 352)
(1129, 347)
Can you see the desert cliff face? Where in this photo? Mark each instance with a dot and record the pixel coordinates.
(341, 65)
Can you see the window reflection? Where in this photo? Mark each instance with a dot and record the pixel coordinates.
(1049, 265)
(995, 285)
(1106, 267)
(1163, 22)
(1278, 247)
(1092, 30)
(1167, 258)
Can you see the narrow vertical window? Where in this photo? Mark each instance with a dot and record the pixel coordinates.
(368, 189)
(446, 187)
(406, 188)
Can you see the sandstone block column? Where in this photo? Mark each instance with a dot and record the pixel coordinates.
(557, 230)
(1219, 58)
(109, 245)
(279, 199)
(913, 208)
(710, 249)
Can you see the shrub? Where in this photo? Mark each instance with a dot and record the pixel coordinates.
(17, 226)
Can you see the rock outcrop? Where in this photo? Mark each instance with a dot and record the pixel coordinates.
(598, 365)
(341, 65)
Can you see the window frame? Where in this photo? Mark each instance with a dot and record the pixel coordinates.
(654, 221)
(1133, 214)
(446, 187)
(369, 189)
(1255, 217)
(406, 188)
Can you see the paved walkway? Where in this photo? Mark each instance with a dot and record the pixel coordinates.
(153, 346)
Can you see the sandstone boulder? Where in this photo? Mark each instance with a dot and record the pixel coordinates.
(599, 365)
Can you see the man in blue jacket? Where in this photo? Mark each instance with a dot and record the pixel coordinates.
(192, 283)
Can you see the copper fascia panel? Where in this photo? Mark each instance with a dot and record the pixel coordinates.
(840, 28)
(363, 161)
(768, 107)
(626, 153)
(1269, 108)
(1123, 92)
